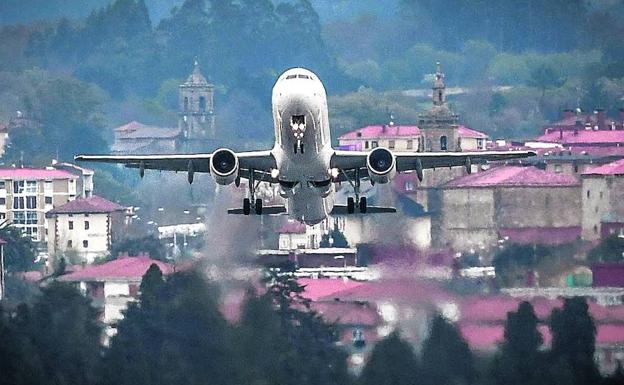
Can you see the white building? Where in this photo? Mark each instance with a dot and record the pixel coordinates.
(85, 227)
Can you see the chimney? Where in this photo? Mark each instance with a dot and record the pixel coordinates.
(568, 113)
(561, 133)
(600, 118)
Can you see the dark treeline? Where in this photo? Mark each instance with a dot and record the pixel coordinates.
(176, 333)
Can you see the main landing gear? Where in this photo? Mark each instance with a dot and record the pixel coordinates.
(252, 203)
(359, 202)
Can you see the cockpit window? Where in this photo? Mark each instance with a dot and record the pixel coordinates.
(303, 76)
(291, 77)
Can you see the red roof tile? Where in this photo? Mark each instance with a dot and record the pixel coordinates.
(399, 290)
(513, 176)
(543, 235)
(292, 227)
(121, 269)
(93, 204)
(613, 168)
(319, 288)
(466, 132)
(34, 173)
(381, 131)
(583, 136)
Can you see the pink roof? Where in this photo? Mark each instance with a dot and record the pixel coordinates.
(466, 132)
(613, 168)
(93, 204)
(319, 288)
(121, 269)
(34, 173)
(292, 227)
(385, 131)
(513, 176)
(583, 136)
(543, 235)
(399, 290)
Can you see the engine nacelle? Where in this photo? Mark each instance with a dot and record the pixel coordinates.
(224, 166)
(381, 165)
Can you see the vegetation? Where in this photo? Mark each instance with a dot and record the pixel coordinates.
(19, 251)
(610, 249)
(150, 245)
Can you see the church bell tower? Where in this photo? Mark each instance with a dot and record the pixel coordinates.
(196, 118)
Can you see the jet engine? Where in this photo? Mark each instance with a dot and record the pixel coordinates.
(381, 165)
(224, 166)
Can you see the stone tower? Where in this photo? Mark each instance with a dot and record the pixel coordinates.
(196, 116)
(439, 124)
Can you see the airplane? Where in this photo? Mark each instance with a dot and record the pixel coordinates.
(302, 161)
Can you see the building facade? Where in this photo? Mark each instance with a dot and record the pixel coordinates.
(84, 228)
(603, 200)
(26, 194)
(196, 118)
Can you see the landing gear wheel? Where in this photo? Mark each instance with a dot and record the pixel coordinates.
(350, 205)
(301, 148)
(246, 206)
(258, 206)
(363, 206)
(295, 147)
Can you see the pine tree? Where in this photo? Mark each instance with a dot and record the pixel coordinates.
(446, 357)
(519, 360)
(392, 362)
(574, 338)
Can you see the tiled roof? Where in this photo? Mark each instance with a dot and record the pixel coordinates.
(319, 288)
(122, 269)
(613, 168)
(466, 132)
(583, 136)
(293, 227)
(34, 173)
(542, 235)
(93, 204)
(381, 131)
(513, 176)
(136, 130)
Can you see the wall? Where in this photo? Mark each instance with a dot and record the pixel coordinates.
(97, 235)
(467, 218)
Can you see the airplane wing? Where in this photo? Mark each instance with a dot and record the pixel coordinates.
(260, 161)
(417, 161)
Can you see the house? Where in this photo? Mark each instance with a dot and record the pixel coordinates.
(26, 194)
(86, 227)
(521, 204)
(603, 200)
(293, 236)
(113, 284)
(139, 138)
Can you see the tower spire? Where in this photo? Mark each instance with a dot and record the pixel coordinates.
(439, 88)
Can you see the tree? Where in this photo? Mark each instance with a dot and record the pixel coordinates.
(443, 346)
(334, 238)
(149, 245)
(573, 340)
(175, 333)
(544, 77)
(19, 251)
(610, 249)
(392, 362)
(65, 333)
(519, 360)
(513, 260)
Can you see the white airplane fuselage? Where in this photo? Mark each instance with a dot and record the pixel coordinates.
(303, 145)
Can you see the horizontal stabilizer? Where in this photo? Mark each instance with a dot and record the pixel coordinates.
(342, 210)
(266, 210)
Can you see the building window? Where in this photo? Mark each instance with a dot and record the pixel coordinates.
(18, 187)
(2, 185)
(18, 203)
(601, 194)
(374, 144)
(85, 244)
(409, 186)
(596, 229)
(31, 202)
(71, 225)
(429, 145)
(48, 200)
(86, 225)
(3, 201)
(19, 217)
(31, 217)
(410, 144)
(366, 145)
(31, 186)
(202, 103)
(588, 193)
(391, 144)
(443, 143)
(2, 215)
(70, 244)
(558, 168)
(576, 168)
(186, 103)
(480, 144)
